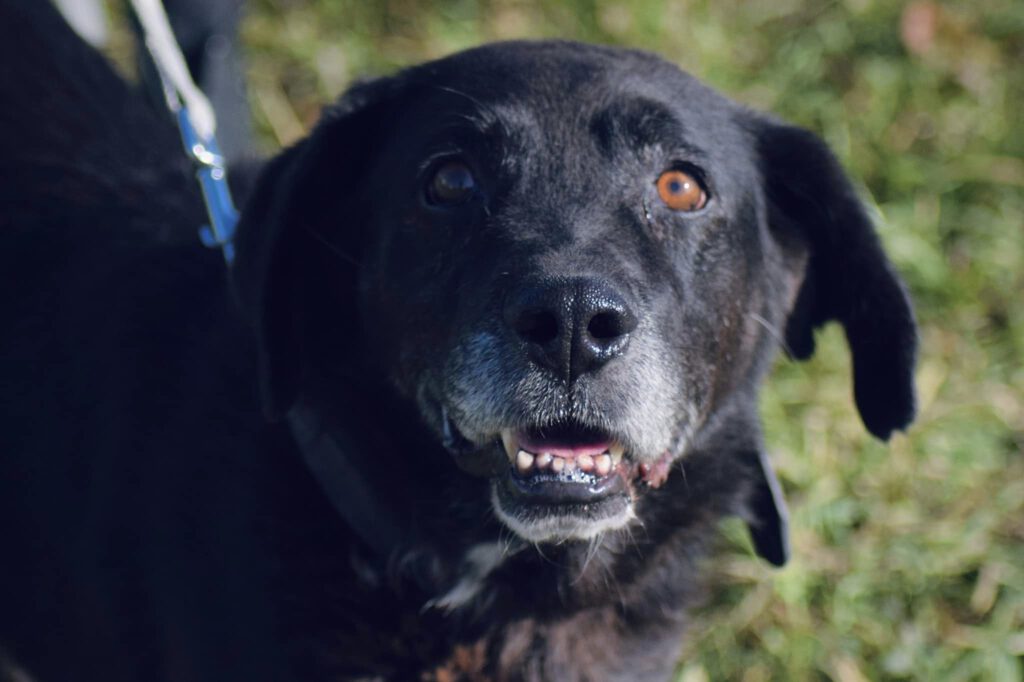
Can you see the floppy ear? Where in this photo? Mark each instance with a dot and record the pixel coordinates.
(848, 277)
(299, 208)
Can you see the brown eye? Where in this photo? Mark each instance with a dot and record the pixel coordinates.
(681, 191)
(451, 184)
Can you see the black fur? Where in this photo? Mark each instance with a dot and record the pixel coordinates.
(157, 525)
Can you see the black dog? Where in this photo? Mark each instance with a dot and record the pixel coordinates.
(508, 313)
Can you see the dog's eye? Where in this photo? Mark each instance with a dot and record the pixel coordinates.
(451, 184)
(681, 191)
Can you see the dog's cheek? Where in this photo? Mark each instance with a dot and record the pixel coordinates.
(411, 299)
(721, 328)
(393, 296)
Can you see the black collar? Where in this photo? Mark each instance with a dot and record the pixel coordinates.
(331, 457)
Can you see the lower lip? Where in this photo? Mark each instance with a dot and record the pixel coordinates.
(540, 489)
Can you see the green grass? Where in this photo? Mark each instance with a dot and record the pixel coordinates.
(908, 557)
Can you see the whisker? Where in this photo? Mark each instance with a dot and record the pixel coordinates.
(593, 546)
(632, 541)
(686, 481)
(459, 93)
(775, 334)
(332, 247)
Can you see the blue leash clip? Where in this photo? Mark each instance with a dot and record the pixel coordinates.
(179, 93)
(212, 176)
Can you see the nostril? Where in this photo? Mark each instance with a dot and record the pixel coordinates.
(537, 326)
(606, 325)
(610, 324)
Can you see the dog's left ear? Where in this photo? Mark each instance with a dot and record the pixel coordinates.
(848, 277)
(301, 210)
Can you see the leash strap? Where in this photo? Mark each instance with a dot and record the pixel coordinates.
(196, 123)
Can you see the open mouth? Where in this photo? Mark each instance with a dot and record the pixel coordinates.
(561, 482)
(565, 465)
(569, 482)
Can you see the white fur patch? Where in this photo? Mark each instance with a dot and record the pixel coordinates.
(477, 564)
(9, 670)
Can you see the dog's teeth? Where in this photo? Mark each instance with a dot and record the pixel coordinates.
(603, 464)
(570, 465)
(585, 462)
(543, 460)
(557, 464)
(616, 451)
(524, 460)
(508, 439)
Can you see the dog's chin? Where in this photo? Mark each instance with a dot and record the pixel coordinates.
(558, 522)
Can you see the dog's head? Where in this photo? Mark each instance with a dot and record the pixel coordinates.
(574, 261)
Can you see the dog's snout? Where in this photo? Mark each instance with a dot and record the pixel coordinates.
(571, 326)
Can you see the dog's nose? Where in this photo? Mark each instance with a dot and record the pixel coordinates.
(571, 326)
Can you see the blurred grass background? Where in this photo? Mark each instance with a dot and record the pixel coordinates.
(908, 557)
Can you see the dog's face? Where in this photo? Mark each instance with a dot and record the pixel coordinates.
(575, 262)
(566, 274)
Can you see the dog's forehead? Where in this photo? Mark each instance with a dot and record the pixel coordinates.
(546, 68)
(557, 87)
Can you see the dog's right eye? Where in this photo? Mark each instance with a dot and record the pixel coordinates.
(451, 184)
